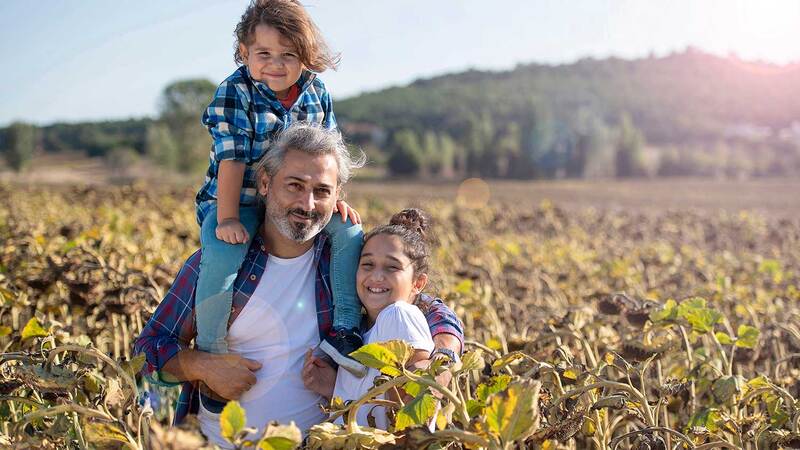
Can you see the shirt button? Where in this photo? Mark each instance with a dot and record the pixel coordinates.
(252, 277)
(263, 249)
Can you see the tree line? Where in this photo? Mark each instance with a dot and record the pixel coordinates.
(684, 114)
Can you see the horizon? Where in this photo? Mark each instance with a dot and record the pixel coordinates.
(101, 45)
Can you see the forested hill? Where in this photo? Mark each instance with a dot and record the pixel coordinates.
(695, 111)
(688, 113)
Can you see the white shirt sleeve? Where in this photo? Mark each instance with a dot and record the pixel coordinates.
(403, 321)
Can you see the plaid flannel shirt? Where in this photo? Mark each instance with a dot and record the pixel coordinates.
(244, 117)
(172, 326)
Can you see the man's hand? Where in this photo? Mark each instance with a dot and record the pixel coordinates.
(346, 210)
(232, 231)
(318, 376)
(229, 375)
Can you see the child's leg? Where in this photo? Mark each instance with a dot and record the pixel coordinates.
(346, 241)
(219, 265)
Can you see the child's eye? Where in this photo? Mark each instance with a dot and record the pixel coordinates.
(393, 268)
(366, 265)
(289, 55)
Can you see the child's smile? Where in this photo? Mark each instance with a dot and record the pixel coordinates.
(272, 59)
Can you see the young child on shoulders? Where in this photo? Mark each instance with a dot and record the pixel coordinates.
(280, 51)
(391, 275)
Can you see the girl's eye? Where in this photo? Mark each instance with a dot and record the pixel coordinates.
(289, 55)
(393, 268)
(366, 265)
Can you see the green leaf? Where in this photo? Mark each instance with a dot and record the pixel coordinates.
(724, 388)
(389, 357)
(232, 420)
(496, 384)
(667, 312)
(723, 338)
(748, 336)
(707, 417)
(33, 329)
(277, 443)
(472, 360)
(474, 407)
(701, 319)
(5, 331)
(513, 414)
(416, 412)
(133, 366)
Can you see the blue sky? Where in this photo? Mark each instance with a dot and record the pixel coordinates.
(97, 59)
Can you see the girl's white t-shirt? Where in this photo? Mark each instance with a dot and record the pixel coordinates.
(397, 321)
(276, 327)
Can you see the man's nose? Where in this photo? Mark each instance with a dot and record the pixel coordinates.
(307, 200)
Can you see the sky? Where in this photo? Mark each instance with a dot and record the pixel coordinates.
(75, 60)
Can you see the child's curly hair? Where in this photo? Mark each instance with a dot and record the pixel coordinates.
(412, 226)
(292, 21)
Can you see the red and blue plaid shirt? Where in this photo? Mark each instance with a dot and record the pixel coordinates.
(172, 326)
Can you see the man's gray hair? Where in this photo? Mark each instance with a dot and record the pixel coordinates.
(314, 140)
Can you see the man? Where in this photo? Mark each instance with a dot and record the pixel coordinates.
(282, 298)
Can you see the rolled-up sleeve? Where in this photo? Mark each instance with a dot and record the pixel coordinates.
(228, 122)
(329, 121)
(171, 327)
(442, 319)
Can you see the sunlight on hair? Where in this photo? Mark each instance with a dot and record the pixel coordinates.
(473, 193)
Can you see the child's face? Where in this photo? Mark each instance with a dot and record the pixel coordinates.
(386, 275)
(272, 59)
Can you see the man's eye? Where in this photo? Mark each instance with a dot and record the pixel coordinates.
(294, 186)
(323, 192)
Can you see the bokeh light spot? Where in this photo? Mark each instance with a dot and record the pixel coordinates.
(473, 193)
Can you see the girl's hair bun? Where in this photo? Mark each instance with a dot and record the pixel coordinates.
(412, 219)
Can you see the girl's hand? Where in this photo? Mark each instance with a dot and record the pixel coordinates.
(232, 231)
(346, 210)
(318, 376)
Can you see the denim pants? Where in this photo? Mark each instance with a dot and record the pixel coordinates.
(220, 263)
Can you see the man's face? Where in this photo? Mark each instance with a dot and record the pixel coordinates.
(301, 197)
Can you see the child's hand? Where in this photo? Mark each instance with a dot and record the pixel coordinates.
(344, 209)
(232, 231)
(318, 376)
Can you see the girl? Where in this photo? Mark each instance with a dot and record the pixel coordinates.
(391, 275)
(279, 50)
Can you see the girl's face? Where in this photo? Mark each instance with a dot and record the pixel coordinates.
(272, 59)
(386, 275)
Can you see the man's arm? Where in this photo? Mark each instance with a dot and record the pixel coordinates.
(446, 329)
(165, 343)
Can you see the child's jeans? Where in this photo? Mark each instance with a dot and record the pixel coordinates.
(220, 263)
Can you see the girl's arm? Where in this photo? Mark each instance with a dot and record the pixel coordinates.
(230, 178)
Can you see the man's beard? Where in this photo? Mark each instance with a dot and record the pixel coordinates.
(295, 231)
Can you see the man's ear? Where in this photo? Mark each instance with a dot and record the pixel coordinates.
(262, 182)
(420, 282)
(243, 51)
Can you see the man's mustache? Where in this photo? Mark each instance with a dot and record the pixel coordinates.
(305, 214)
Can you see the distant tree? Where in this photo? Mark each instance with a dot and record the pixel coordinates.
(629, 156)
(21, 141)
(120, 160)
(406, 154)
(182, 105)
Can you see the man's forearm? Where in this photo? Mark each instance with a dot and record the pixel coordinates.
(449, 341)
(183, 366)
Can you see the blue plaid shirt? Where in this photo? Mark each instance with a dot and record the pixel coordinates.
(244, 117)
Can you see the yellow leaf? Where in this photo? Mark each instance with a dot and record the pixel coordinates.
(232, 420)
(33, 329)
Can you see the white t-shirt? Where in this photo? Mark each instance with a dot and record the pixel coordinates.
(276, 327)
(397, 321)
